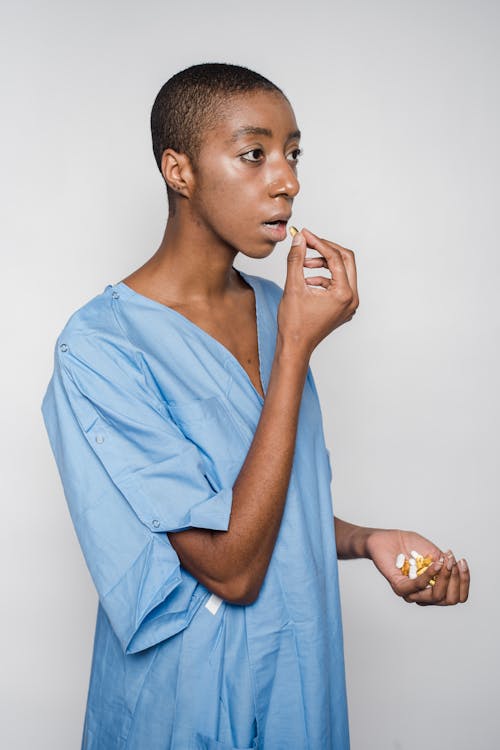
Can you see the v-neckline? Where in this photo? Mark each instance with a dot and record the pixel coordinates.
(186, 321)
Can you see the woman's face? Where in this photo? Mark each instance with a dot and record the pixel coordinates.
(246, 173)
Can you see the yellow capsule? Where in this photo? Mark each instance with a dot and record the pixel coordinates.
(406, 568)
(422, 570)
(293, 231)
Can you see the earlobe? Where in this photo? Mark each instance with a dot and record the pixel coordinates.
(176, 171)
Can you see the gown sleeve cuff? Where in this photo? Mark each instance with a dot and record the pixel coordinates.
(213, 513)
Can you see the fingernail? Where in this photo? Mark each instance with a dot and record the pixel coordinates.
(450, 562)
(462, 564)
(297, 238)
(439, 564)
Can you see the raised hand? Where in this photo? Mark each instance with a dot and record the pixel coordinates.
(313, 307)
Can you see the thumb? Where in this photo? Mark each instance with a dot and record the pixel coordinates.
(295, 261)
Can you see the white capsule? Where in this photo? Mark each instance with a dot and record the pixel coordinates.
(400, 561)
(413, 573)
(414, 554)
(412, 562)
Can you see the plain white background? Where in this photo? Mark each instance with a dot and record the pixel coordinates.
(398, 102)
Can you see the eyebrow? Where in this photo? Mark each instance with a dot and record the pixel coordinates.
(253, 130)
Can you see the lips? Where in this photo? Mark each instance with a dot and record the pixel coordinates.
(276, 229)
(274, 223)
(277, 217)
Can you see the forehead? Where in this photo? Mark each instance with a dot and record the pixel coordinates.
(257, 114)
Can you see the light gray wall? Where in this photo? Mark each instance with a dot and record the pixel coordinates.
(399, 105)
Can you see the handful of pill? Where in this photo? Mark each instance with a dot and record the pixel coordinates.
(414, 565)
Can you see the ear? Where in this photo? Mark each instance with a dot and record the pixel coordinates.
(177, 171)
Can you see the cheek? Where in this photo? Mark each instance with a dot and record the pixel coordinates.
(231, 198)
(230, 180)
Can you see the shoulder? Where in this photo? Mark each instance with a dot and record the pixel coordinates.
(95, 359)
(94, 316)
(93, 334)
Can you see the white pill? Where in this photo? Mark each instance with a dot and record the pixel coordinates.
(415, 554)
(400, 561)
(412, 574)
(413, 563)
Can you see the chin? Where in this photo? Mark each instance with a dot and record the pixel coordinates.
(258, 253)
(259, 249)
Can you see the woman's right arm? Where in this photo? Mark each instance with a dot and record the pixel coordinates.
(233, 563)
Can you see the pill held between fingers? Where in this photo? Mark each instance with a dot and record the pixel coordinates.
(293, 231)
(400, 561)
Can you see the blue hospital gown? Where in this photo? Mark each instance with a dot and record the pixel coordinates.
(150, 419)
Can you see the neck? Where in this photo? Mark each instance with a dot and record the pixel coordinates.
(191, 266)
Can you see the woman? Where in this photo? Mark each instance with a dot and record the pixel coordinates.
(187, 429)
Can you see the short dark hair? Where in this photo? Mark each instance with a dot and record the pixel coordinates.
(189, 103)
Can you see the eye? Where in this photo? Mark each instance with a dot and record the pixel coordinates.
(295, 154)
(253, 153)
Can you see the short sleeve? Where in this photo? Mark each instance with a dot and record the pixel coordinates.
(129, 475)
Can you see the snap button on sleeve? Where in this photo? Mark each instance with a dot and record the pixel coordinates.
(115, 295)
(99, 438)
(63, 347)
(155, 523)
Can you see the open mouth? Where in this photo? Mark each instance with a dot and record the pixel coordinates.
(276, 223)
(276, 230)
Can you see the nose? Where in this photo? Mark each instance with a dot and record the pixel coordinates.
(283, 180)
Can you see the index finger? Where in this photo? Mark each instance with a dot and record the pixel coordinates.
(332, 256)
(349, 263)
